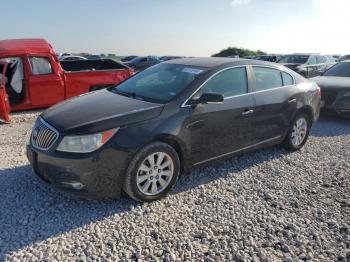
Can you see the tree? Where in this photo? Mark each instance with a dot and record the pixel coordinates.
(241, 52)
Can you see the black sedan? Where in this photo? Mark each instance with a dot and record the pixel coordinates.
(335, 88)
(140, 135)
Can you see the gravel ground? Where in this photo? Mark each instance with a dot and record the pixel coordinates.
(268, 205)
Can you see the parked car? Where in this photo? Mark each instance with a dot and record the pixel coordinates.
(308, 65)
(167, 58)
(72, 58)
(335, 88)
(268, 58)
(128, 58)
(142, 62)
(36, 79)
(336, 57)
(93, 57)
(344, 58)
(249, 57)
(140, 135)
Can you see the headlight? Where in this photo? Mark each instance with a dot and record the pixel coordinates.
(85, 143)
(347, 94)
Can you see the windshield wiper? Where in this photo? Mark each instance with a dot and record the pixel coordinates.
(128, 94)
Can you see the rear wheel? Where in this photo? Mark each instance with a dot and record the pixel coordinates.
(298, 132)
(152, 173)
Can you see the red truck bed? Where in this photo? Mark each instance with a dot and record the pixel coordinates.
(36, 79)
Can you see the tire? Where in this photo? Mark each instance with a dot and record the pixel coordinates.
(162, 174)
(292, 144)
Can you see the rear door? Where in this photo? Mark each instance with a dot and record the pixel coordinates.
(4, 103)
(45, 84)
(219, 129)
(276, 100)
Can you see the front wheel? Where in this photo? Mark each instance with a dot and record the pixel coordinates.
(152, 173)
(298, 133)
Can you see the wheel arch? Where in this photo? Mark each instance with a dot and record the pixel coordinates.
(179, 147)
(306, 109)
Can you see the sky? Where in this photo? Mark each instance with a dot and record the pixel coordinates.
(181, 27)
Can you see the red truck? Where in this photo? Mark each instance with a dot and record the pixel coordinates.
(31, 76)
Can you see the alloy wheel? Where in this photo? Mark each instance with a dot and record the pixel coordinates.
(155, 173)
(299, 132)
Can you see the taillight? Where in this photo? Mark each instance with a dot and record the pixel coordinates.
(131, 72)
(319, 91)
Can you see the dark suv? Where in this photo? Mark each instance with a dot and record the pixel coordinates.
(308, 65)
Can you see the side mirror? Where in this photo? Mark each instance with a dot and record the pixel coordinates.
(208, 98)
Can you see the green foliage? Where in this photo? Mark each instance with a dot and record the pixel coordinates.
(241, 52)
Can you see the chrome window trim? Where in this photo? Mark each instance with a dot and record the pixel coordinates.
(277, 67)
(51, 128)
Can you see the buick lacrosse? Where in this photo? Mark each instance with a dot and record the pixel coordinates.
(140, 135)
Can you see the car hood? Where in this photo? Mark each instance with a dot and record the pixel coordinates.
(333, 82)
(98, 111)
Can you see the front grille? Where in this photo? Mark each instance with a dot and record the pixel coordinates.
(43, 135)
(329, 97)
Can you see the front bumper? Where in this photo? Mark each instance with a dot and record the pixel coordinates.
(96, 175)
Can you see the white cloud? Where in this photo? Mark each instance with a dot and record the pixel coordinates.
(240, 2)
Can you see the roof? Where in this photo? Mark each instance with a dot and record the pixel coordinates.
(20, 46)
(214, 62)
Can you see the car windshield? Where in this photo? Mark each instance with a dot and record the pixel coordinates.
(136, 59)
(340, 69)
(158, 84)
(344, 58)
(297, 59)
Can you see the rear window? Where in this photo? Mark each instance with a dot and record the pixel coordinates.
(341, 69)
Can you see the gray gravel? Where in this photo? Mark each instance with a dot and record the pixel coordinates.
(268, 205)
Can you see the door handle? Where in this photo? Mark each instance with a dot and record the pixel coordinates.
(292, 100)
(248, 112)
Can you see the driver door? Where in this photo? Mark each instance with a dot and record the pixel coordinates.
(4, 103)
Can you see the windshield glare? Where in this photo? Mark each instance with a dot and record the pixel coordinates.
(158, 84)
(297, 59)
(340, 69)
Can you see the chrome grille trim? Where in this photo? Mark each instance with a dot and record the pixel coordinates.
(46, 135)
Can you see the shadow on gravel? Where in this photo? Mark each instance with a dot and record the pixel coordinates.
(31, 211)
(331, 125)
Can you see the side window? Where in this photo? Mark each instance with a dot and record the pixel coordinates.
(228, 83)
(40, 65)
(312, 60)
(287, 79)
(143, 59)
(320, 59)
(267, 78)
